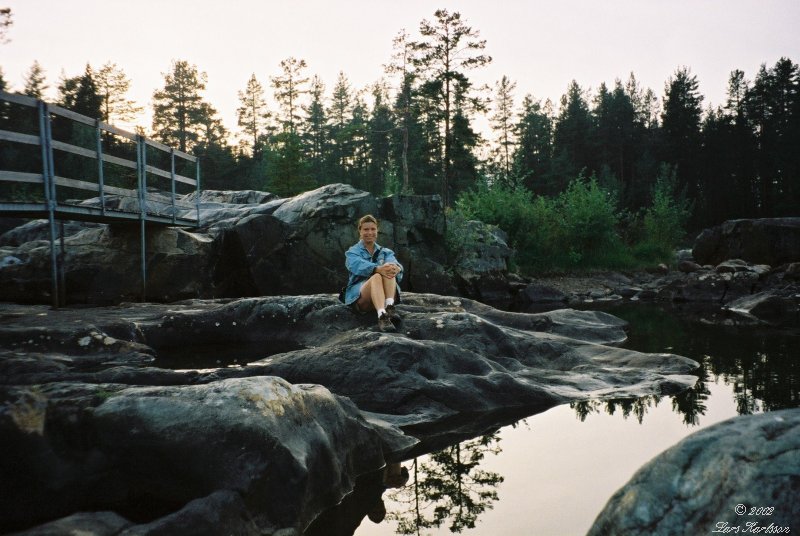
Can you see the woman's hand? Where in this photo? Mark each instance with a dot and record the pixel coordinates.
(388, 270)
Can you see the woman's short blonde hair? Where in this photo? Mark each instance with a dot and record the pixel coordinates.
(369, 218)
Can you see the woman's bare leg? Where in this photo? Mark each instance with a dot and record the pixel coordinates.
(372, 294)
(389, 288)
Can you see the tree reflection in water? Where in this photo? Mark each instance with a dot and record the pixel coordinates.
(758, 363)
(449, 487)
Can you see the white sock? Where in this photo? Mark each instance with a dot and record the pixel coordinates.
(389, 301)
(381, 312)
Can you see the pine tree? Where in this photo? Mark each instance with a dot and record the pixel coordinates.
(772, 105)
(315, 134)
(112, 86)
(415, 144)
(179, 113)
(80, 94)
(357, 134)
(402, 61)
(218, 161)
(253, 114)
(616, 130)
(464, 168)
(5, 23)
(680, 122)
(447, 50)
(35, 84)
(379, 134)
(502, 125)
(740, 154)
(339, 118)
(533, 155)
(289, 87)
(572, 136)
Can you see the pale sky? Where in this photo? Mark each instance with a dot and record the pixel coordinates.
(541, 46)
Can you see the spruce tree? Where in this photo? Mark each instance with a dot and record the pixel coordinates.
(448, 49)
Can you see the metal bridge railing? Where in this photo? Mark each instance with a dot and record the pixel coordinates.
(61, 165)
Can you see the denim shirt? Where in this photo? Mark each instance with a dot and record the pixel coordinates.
(360, 266)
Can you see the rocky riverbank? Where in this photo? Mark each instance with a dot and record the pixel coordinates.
(253, 404)
(104, 425)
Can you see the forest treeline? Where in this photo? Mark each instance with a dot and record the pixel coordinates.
(414, 131)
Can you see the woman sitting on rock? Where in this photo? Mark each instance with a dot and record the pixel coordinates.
(374, 275)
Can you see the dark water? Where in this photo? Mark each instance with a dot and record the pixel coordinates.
(552, 473)
(206, 356)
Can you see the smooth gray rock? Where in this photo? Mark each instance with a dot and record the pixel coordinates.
(711, 480)
(90, 420)
(82, 523)
(290, 451)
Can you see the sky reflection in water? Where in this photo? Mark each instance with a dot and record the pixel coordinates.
(552, 473)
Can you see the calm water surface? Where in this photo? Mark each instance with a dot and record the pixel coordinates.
(552, 473)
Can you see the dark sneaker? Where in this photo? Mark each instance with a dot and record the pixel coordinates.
(385, 323)
(394, 316)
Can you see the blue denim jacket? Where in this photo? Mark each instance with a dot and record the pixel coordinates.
(360, 266)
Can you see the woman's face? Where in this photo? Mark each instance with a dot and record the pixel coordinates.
(368, 232)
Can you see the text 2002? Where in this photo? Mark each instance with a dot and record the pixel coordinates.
(761, 510)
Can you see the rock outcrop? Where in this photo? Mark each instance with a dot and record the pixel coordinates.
(250, 244)
(772, 241)
(114, 409)
(743, 472)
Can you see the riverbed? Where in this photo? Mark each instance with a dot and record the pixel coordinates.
(552, 473)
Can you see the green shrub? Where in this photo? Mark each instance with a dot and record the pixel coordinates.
(589, 216)
(582, 228)
(665, 220)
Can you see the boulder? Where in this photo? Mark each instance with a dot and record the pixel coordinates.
(481, 269)
(688, 266)
(738, 476)
(40, 230)
(772, 241)
(266, 246)
(289, 451)
(539, 293)
(103, 265)
(775, 306)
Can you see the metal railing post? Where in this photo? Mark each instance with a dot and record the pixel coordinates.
(142, 187)
(100, 167)
(197, 185)
(172, 178)
(45, 138)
